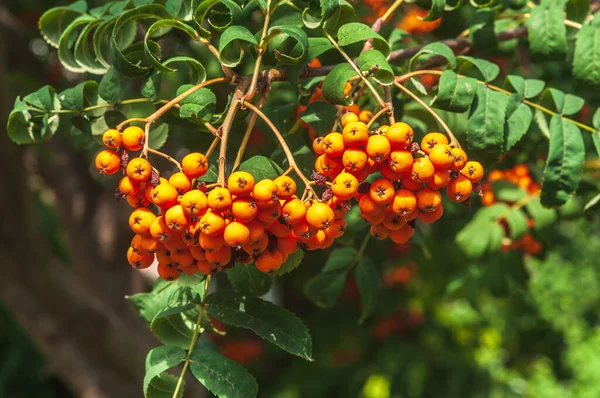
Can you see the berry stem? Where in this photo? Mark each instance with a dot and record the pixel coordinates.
(225, 129)
(212, 147)
(126, 122)
(247, 134)
(194, 337)
(165, 156)
(376, 116)
(453, 141)
(261, 50)
(286, 149)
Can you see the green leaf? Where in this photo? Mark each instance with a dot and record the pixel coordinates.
(333, 85)
(518, 120)
(53, 22)
(173, 326)
(158, 136)
(543, 217)
(261, 167)
(506, 191)
(320, 116)
(564, 163)
(436, 10)
(65, 55)
(343, 14)
(540, 120)
(517, 223)
(325, 288)
(83, 95)
(565, 104)
(161, 25)
(455, 94)
(546, 30)
(368, 280)
(586, 59)
(111, 86)
(483, 234)
(164, 386)
(83, 52)
(271, 322)
(196, 75)
(45, 99)
(525, 88)
(150, 304)
(593, 202)
(485, 130)
(482, 32)
(20, 126)
(218, 14)
(233, 44)
(487, 71)
(288, 43)
(222, 376)
(201, 104)
(435, 49)
(292, 262)
(578, 10)
(340, 259)
(596, 134)
(159, 360)
(373, 60)
(249, 281)
(314, 17)
(356, 32)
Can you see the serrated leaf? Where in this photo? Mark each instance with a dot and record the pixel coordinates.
(436, 10)
(343, 14)
(218, 14)
(368, 280)
(325, 288)
(65, 55)
(525, 88)
(83, 51)
(546, 30)
(249, 281)
(20, 126)
(196, 75)
(150, 304)
(486, 71)
(233, 44)
(543, 217)
(333, 85)
(485, 130)
(271, 322)
(292, 262)
(586, 59)
(518, 120)
(435, 49)
(373, 60)
(340, 259)
(201, 104)
(45, 99)
(320, 116)
(483, 234)
(564, 163)
(164, 386)
(288, 43)
(517, 223)
(161, 25)
(111, 86)
(53, 22)
(481, 27)
(261, 167)
(83, 95)
(542, 123)
(159, 360)
(172, 326)
(565, 104)
(455, 94)
(222, 376)
(313, 17)
(506, 191)
(158, 136)
(356, 32)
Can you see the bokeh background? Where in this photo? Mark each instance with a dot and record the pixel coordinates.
(521, 323)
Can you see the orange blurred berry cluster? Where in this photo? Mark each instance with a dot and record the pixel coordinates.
(519, 176)
(412, 22)
(408, 176)
(188, 228)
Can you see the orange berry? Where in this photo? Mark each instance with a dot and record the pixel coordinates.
(164, 195)
(219, 199)
(381, 192)
(265, 193)
(269, 261)
(355, 133)
(473, 171)
(422, 170)
(440, 179)
(149, 243)
(365, 116)
(133, 138)
(190, 236)
(136, 244)
(286, 187)
(175, 218)
(180, 182)
(111, 138)
(367, 206)
(430, 217)
(138, 200)
(194, 165)
(182, 258)
(205, 267)
(139, 261)
(330, 166)
(175, 244)
(279, 229)
(319, 216)
(191, 269)
(129, 186)
(408, 183)
(333, 144)
(194, 203)
(257, 231)
(318, 146)
(349, 117)
(402, 235)
(459, 189)
(354, 159)
(257, 247)
(211, 242)
(140, 221)
(107, 162)
(404, 202)
(287, 244)
(236, 234)
(428, 199)
(168, 272)
(294, 211)
(460, 159)
(139, 169)
(521, 170)
(378, 231)
(378, 148)
(389, 174)
(268, 215)
(212, 223)
(347, 90)
(495, 175)
(198, 253)
(394, 223)
(375, 219)
(340, 207)
(316, 241)
(344, 186)
(220, 257)
(240, 183)
(400, 135)
(432, 139)
(244, 209)
(160, 231)
(441, 156)
(336, 229)
(400, 160)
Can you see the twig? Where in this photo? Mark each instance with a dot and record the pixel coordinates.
(376, 116)
(165, 156)
(225, 129)
(212, 147)
(211, 128)
(247, 134)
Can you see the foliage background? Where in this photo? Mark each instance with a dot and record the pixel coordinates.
(501, 326)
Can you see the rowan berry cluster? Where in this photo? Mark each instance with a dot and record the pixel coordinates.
(404, 177)
(521, 177)
(190, 228)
